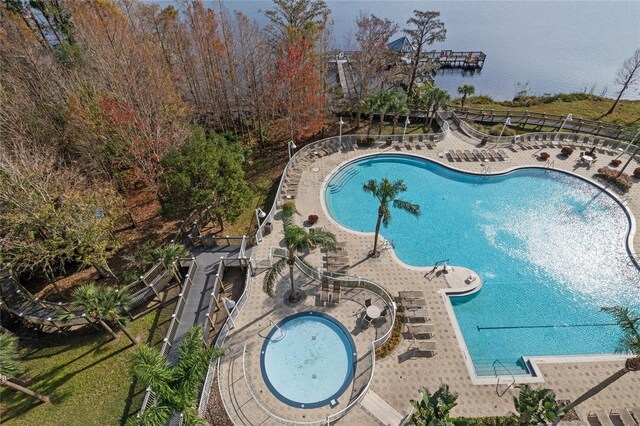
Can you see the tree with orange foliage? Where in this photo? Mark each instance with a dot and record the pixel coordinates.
(296, 93)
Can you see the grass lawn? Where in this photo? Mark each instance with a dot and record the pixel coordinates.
(626, 113)
(86, 374)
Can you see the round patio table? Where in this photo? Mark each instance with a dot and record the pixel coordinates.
(373, 312)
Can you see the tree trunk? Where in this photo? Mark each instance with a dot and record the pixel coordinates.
(414, 70)
(4, 381)
(104, 271)
(128, 334)
(381, 123)
(106, 327)
(292, 297)
(395, 123)
(374, 252)
(596, 389)
(370, 124)
(52, 280)
(464, 98)
(433, 113)
(615, 103)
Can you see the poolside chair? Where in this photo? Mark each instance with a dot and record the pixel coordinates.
(600, 417)
(367, 303)
(504, 155)
(489, 154)
(449, 156)
(468, 154)
(336, 293)
(421, 330)
(415, 304)
(421, 314)
(324, 296)
(411, 294)
(624, 415)
(384, 312)
(429, 347)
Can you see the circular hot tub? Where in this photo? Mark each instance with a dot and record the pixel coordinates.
(308, 360)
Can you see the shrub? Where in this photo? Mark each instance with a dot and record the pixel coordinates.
(544, 155)
(623, 182)
(313, 218)
(495, 130)
(365, 142)
(394, 340)
(566, 151)
(636, 172)
(490, 421)
(616, 162)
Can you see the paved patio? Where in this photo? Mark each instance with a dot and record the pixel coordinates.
(398, 376)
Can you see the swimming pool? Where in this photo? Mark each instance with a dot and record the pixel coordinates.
(307, 360)
(550, 247)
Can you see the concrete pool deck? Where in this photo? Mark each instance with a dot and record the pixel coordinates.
(398, 377)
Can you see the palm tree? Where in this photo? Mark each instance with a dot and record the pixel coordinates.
(629, 343)
(104, 304)
(168, 253)
(10, 367)
(433, 410)
(466, 90)
(382, 100)
(537, 406)
(439, 98)
(297, 239)
(386, 192)
(369, 105)
(398, 106)
(175, 387)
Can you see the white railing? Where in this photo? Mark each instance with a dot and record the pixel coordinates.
(343, 142)
(224, 331)
(542, 136)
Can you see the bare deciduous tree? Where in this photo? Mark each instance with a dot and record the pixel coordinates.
(627, 77)
(427, 28)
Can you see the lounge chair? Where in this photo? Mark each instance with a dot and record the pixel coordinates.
(367, 303)
(601, 417)
(335, 297)
(411, 294)
(449, 156)
(462, 155)
(470, 156)
(324, 296)
(428, 347)
(624, 415)
(490, 155)
(504, 155)
(421, 330)
(416, 314)
(479, 155)
(415, 304)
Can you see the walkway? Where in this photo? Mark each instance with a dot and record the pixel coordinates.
(203, 284)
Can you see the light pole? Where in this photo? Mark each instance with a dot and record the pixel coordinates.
(507, 122)
(632, 156)
(340, 123)
(406, 123)
(291, 146)
(568, 118)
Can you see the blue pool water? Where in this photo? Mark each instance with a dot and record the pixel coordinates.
(550, 247)
(308, 360)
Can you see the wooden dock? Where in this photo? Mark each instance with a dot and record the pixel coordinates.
(451, 59)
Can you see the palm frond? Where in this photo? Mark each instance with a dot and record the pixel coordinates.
(386, 216)
(371, 187)
(408, 207)
(150, 367)
(296, 238)
(157, 415)
(399, 186)
(322, 237)
(169, 252)
(9, 365)
(272, 276)
(630, 325)
(288, 211)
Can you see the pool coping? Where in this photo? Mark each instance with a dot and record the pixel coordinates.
(532, 361)
(348, 379)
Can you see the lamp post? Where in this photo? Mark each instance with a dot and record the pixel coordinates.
(568, 118)
(340, 123)
(404, 132)
(228, 306)
(632, 156)
(291, 146)
(507, 122)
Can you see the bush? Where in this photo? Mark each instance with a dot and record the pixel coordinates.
(616, 162)
(313, 218)
(636, 172)
(394, 340)
(365, 142)
(490, 421)
(495, 130)
(566, 151)
(481, 99)
(623, 182)
(544, 155)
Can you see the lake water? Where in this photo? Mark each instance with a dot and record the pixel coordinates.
(554, 46)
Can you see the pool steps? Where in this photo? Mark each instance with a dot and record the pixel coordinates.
(347, 174)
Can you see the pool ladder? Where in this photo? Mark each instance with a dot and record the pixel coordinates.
(550, 164)
(279, 329)
(513, 379)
